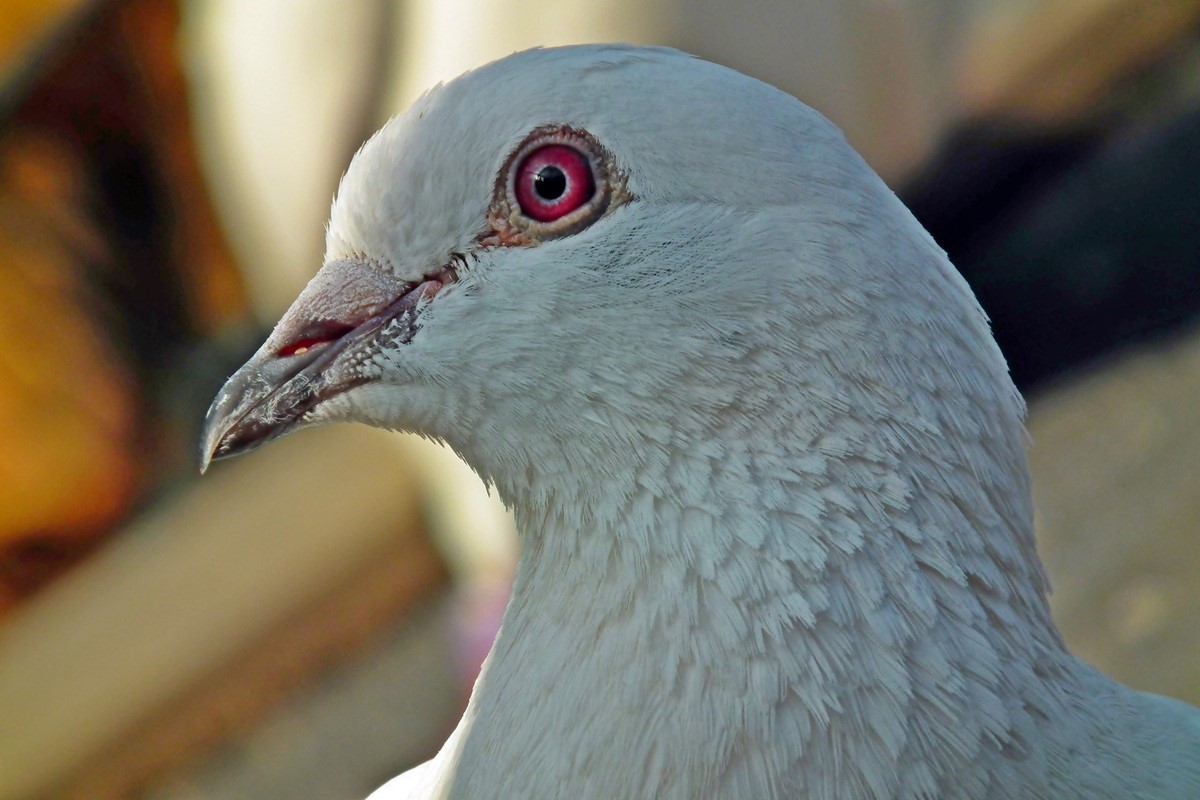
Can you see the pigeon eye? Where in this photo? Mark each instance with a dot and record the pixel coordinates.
(553, 181)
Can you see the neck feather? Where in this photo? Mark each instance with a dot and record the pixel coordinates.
(768, 619)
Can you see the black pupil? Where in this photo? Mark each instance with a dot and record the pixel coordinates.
(550, 182)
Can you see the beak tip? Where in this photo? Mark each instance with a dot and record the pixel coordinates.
(210, 443)
(221, 419)
(237, 423)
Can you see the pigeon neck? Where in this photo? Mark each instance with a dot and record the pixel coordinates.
(720, 598)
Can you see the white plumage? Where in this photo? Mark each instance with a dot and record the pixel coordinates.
(766, 461)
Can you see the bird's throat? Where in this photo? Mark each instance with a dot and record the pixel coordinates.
(671, 643)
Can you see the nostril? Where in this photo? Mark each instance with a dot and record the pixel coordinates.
(315, 335)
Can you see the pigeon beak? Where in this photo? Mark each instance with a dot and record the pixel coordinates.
(315, 352)
(267, 397)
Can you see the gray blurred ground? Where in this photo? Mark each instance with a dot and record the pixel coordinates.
(1116, 465)
(366, 720)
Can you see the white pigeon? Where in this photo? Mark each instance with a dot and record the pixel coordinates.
(765, 458)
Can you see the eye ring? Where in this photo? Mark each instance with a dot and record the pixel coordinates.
(572, 201)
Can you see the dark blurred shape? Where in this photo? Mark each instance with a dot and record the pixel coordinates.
(112, 269)
(1065, 195)
(1076, 243)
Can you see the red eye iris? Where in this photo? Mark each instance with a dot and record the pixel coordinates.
(553, 181)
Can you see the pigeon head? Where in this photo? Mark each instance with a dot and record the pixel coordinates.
(580, 252)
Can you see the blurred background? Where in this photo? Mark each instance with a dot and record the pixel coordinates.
(306, 623)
